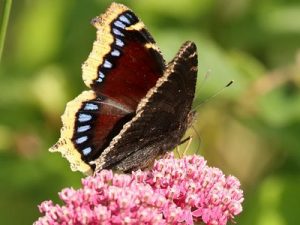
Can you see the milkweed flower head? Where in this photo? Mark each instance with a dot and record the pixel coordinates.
(174, 191)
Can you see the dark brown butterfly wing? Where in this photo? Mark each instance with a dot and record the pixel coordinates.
(123, 65)
(161, 120)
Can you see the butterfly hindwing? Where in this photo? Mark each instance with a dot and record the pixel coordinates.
(161, 120)
(90, 122)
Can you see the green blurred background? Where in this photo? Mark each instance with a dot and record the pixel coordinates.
(251, 130)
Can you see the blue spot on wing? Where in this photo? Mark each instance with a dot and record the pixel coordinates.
(87, 151)
(83, 128)
(81, 139)
(84, 117)
(90, 106)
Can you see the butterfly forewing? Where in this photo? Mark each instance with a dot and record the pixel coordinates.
(125, 62)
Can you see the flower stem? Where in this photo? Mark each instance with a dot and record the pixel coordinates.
(4, 18)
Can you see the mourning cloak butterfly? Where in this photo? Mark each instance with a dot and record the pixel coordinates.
(138, 107)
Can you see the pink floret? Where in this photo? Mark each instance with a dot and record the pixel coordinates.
(174, 191)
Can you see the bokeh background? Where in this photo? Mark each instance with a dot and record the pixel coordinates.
(251, 130)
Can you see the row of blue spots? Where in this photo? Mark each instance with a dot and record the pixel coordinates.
(119, 25)
(82, 118)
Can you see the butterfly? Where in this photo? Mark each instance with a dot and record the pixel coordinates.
(138, 107)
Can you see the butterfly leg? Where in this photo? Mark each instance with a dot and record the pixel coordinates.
(178, 152)
(189, 141)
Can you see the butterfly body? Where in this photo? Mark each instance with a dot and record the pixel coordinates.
(138, 107)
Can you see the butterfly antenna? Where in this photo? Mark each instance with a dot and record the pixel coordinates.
(206, 75)
(214, 95)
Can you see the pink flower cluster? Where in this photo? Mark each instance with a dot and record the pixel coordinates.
(174, 191)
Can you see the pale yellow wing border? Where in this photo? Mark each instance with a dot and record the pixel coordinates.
(64, 145)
